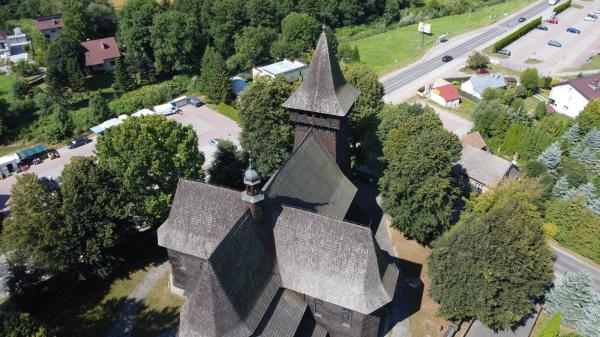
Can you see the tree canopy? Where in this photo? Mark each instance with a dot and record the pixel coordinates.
(148, 156)
(491, 265)
(135, 21)
(228, 166)
(589, 118)
(214, 81)
(64, 56)
(266, 130)
(299, 33)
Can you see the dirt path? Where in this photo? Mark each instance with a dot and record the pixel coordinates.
(135, 301)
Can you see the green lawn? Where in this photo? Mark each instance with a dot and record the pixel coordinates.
(541, 323)
(387, 51)
(594, 64)
(531, 103)
(6, 82)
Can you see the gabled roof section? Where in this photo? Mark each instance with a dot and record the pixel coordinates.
(283, 316)
(311, 180)
(482, 82)
(483, 166)
(97, 51)
(324, 89)
(474, 139)
(48, 22)
(235, 287)
(200, 217)
(448, 92)
(588, 86)
(335, 261)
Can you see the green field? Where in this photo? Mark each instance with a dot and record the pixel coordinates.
(395, 48)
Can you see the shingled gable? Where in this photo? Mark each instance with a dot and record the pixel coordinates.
(310, 179)
(324, 89)
(200, 218)
(335, 261)
(235, 287)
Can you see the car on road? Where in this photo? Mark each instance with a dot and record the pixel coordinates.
(77, 142)
(53, 154)
(213, 142)
(447, 58)
(505, 52)
(573, 30)
(554, 43)
(195, 101)
(522, 19)
(542, 27)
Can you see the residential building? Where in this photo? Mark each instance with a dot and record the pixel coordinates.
(570, 97)
(278, 259)
(49, 25)
(101, 54)
(291, 70)
(13, 46)
(477, 84)
(474, 139)
(484, 169)
(445, 95)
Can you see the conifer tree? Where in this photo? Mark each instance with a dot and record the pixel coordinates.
(563, 190)
(214, 80)
(98, 107)
(355, 56)
(592, 140)
(577, 303)
(571, 136)
(551, 157)
(74, 74)
(124, 81)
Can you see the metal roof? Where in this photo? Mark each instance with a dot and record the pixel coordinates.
(31, 152)
(282, 67)
(324, 89)
(482, 82)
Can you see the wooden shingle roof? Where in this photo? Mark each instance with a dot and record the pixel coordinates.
(311, 180)
(283, 316)
(335, 261)
(324, 89)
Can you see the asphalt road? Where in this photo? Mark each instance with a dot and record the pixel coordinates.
(422, 68)
(566, 263)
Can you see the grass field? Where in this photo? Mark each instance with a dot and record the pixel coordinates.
(594, 64)
(390, 50)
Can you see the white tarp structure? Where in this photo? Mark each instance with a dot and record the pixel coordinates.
(10, 159)
(106, 124)
(164, 109)
(143, 112)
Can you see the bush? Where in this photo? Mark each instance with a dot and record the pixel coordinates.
(517, 34)
(545, 82)
(228, 111)
(562, 7)
(535, 169)
(527, 142)
(148, 96)
(477, 60)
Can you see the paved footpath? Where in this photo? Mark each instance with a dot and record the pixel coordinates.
(135, 301)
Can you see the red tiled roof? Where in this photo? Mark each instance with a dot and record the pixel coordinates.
(589, 86)
(96, 51)
(448, 92)
(474, 139)
(48, 22)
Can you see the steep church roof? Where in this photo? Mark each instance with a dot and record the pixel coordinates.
(324, 89)
(333, 260)
(311, 180)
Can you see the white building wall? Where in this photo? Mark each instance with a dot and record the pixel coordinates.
(291, 76)
(567, 100)
(468, 88)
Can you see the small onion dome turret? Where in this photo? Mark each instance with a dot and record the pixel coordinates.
(251, 176)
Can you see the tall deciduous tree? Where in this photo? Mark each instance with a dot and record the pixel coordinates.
(74, 18)
(64, 48)
(299, 32)
(214, 81)
(135, 20)
(228, 166)
(101, 20)
(148, 156)
(176, 41)
(491, 118)
(60, 125)
(589, 118)
(530, 79)
(252, 47)
(491, 265)
(266, 130)
(477, 60)
(226, 18)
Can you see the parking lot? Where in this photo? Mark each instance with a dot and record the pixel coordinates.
(207, 123)
(575, 50)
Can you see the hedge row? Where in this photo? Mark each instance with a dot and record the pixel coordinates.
(148, 96)
(562, 7)
(527, 142)
(516, 34)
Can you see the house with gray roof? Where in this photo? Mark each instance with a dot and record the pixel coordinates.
(477, 84)
(290, 69)
(484, 169)
(280, 259)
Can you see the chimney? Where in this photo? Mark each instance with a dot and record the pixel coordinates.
(253, 195)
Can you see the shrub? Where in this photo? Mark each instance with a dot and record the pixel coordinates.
(517, 34)
(527, 142)
(562, 7)
(148, 96)
(535, 169)
(228, 111)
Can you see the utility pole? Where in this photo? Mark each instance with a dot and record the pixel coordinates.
(469, 16)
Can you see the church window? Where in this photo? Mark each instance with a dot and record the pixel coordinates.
(346, 318)
(318, 308)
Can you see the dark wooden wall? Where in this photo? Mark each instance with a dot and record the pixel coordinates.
(186, 269)
(361, 325)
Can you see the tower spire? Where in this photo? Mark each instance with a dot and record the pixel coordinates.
(253, 195)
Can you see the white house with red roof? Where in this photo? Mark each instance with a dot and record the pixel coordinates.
(570, 97)
(444, 93)
(101, 54)
(49, 25)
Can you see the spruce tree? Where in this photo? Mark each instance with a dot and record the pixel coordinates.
(355, 57)
(98, 107)
(571, 136)
(562, 189)
(577, 303)
(214, 80)
(74, 74)
(592, 140)
(124, 81)
(551, 157)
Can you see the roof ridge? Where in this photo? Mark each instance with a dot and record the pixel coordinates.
(325, 216)
(210, 184)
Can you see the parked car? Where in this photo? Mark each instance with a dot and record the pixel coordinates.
(590, 18)
(213, 142)
(503, 52)
(554, 43)
(77, 142)
(522, 19)
(36, 161)
(593, 16)
(597, 11)
(573, 30)
(195, 101)
(553, 20)
(481, 71)
(542, 27)
(447, 58)
(53, 154)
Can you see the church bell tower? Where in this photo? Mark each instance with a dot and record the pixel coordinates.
(322, 103)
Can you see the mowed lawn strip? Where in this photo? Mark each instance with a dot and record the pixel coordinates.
(395, 48)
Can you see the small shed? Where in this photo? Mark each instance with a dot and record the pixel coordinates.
(9, 163)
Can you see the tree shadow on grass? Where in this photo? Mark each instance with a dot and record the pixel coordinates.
(155, 322)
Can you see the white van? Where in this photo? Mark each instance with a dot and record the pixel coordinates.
(552, 2)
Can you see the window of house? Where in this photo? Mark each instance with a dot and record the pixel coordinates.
(318, 308)
(346, 318)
